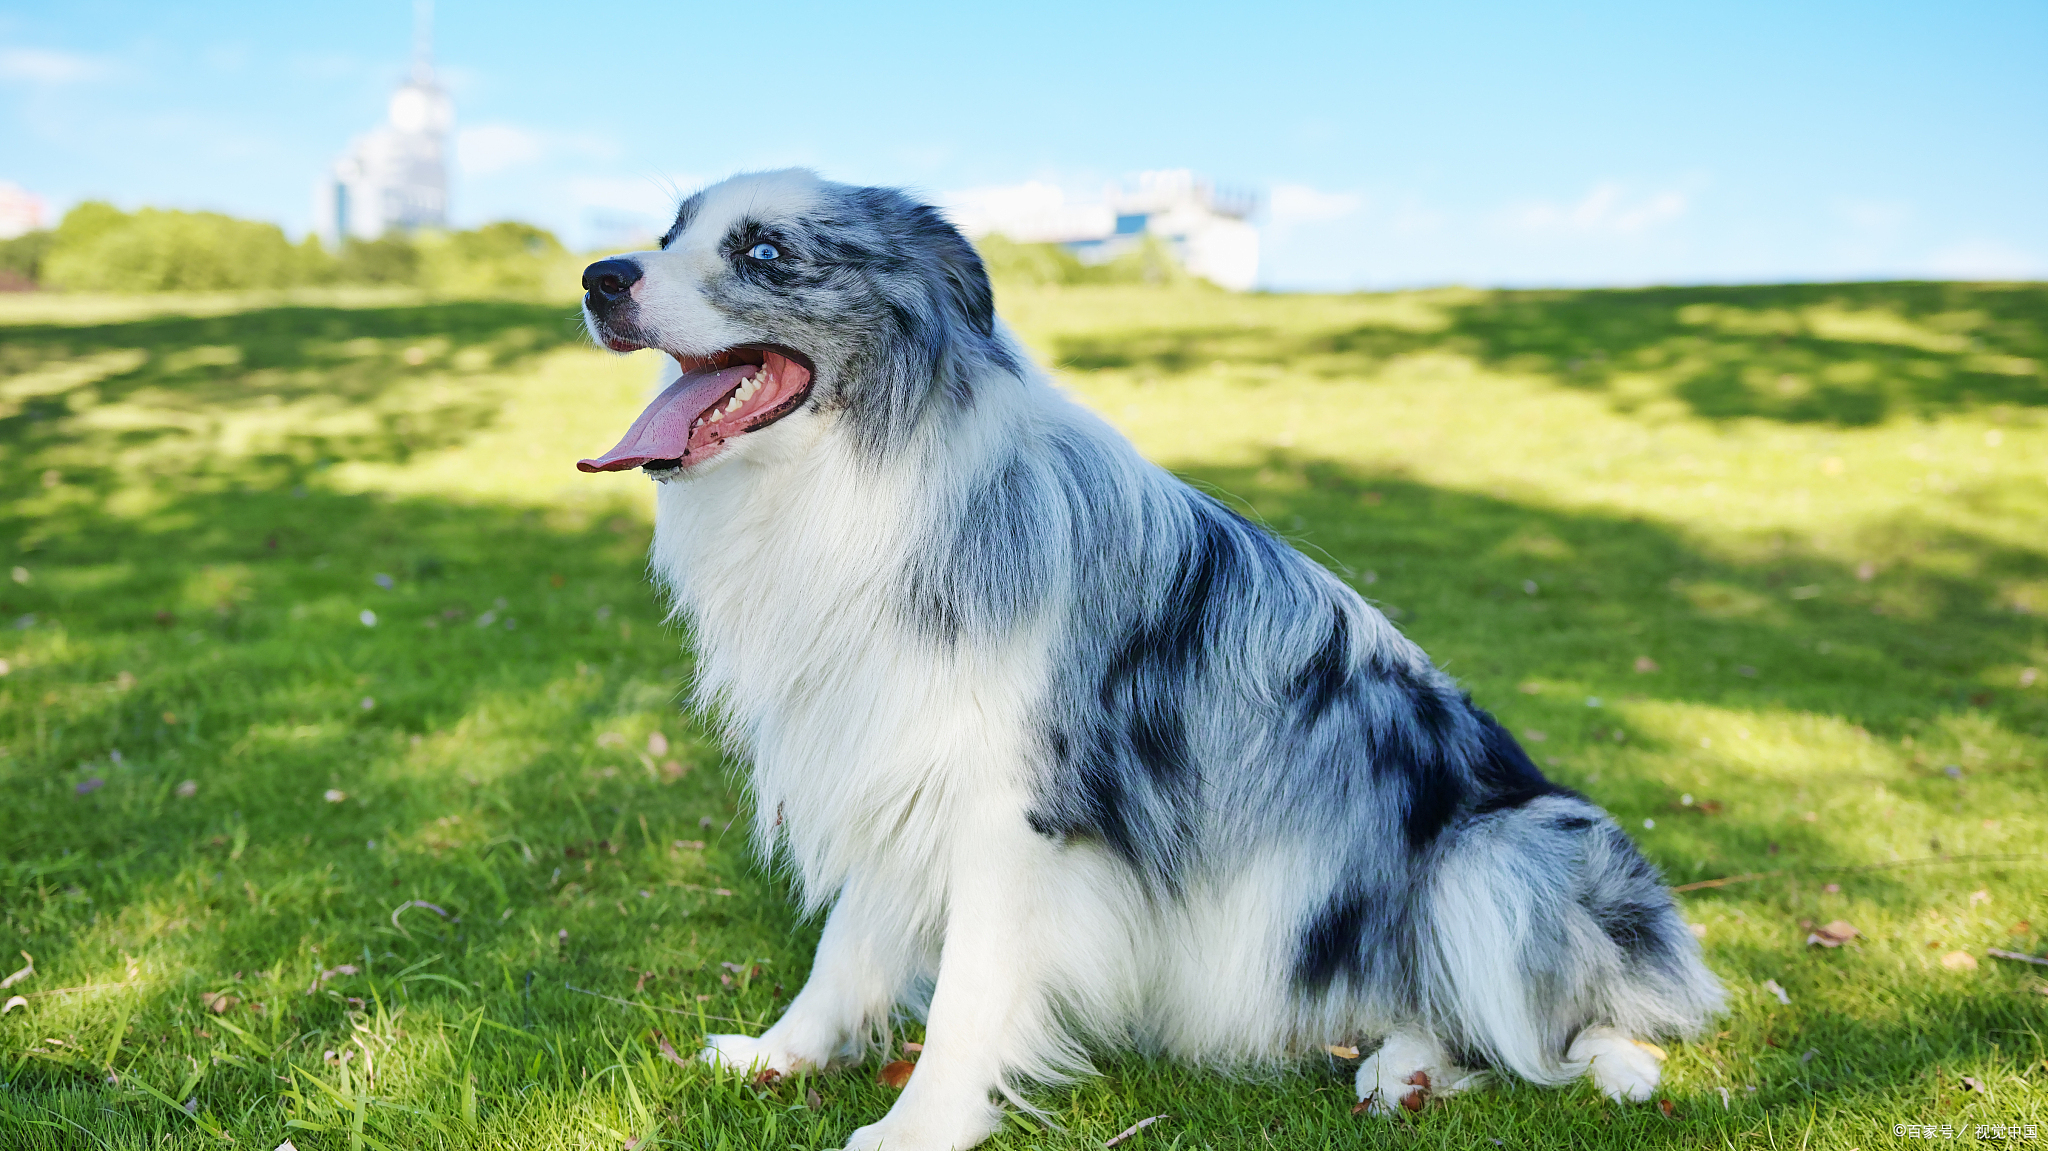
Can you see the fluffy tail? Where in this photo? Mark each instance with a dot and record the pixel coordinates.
(1543, 920)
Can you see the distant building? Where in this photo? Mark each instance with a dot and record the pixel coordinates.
(1208, 230)
(20, 211)
(394, 177)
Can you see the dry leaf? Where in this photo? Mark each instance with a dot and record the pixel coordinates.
(218, 1001)
(1979, 896)
(1645, 665)
(1653, 1049)
(767, 1078)
(1360, 1106)
(912, 1048)
(1342, 1052)
(285, 1146)
(18, 976)
(1959, 961)
(1771, 985)
(334, 795)
(657, 744)
(896, 1074)
(1833, 935)
(2020, 928)
(812, 1099)
(668, 1050)
(1670, 1112)
(187, 789)
(13, 1003)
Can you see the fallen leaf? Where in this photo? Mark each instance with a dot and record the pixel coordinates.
(1529, 688)
(912, 1048)
(1645, 665)
(187, 789)
(1360, 1106)
(668, 1050)
(657, 744)
(1970, 1084)
(767, 1078)
(18, 976)
(1979, 896)
(1534, 736)
(1670, 1111)
(1833, 934)
(1959, 961)
(896, 1074)
(2020, 928)
(285, 1146)
(1833, 889)
(16, 1001)
(611, 739)
(1342, 1052)
(812, 1099)
(334, 795)
(218, 1001)
(1771, 985)
(1653, 1049)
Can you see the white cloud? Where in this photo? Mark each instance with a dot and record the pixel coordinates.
(1301, 204)
(1605, 210)
(655, 197)
(489, 148)
(50, 66)
(1985, 260)
(1874, 215)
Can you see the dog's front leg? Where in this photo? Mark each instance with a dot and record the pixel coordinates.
(988, 1009)
(865, 959)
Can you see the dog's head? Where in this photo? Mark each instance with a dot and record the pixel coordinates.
(782, 295)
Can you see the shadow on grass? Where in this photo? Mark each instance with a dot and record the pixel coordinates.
(1844, 354)
(218, 636)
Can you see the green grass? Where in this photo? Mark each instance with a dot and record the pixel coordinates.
(1783, 551)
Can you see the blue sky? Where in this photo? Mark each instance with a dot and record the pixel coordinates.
(1421, 144)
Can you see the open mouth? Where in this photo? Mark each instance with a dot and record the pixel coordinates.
(719, 398)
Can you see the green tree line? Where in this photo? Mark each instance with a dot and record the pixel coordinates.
(100, 248)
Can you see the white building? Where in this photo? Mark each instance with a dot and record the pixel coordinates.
(1208, 230)
(394, 177)
(20, 210)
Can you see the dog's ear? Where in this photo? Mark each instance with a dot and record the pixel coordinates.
(937, 331)
(963, 278)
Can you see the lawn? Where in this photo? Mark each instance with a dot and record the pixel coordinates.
(345, 794)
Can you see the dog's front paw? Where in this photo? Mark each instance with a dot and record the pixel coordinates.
(899, 1134)
(745, 1053)
(1407, 1072)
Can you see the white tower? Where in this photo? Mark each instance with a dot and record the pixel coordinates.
(396, 175)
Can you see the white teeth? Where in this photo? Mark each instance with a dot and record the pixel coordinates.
(734, 405)
(717, 416)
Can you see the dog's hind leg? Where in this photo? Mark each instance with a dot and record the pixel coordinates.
(865, 960)
(1408, 1070)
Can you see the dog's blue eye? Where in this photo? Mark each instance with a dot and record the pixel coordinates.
(763, 252)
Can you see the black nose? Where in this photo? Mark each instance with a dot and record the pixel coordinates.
(608, 281)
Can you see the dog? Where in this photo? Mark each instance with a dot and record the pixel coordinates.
(1072, 755)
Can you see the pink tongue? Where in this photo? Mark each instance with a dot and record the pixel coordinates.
(663, 431)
